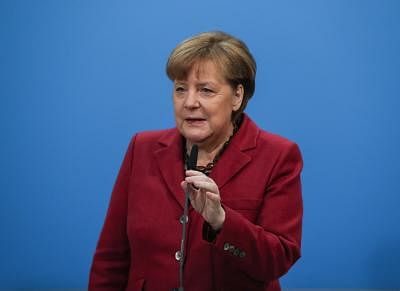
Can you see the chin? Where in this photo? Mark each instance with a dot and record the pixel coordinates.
(195, 137)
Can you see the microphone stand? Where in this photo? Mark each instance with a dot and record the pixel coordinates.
(191, 164)
(183, 240)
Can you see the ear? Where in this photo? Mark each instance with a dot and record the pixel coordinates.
(237, 97)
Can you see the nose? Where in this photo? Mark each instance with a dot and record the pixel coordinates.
(191, 100)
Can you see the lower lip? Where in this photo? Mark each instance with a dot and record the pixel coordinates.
(195, 122)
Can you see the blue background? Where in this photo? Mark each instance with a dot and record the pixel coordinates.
(78, 78)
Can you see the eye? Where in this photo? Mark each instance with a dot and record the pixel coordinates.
(179, 89)
(206, 90)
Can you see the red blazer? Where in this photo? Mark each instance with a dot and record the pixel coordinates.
(258, 176)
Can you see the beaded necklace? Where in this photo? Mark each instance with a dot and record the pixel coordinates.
(208, 168)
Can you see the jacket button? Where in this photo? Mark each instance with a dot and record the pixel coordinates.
(226, 246)
(178, 256)
(183, 219)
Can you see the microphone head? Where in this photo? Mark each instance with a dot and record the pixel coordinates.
(192, 162)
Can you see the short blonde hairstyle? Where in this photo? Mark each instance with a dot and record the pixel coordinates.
(228, 53)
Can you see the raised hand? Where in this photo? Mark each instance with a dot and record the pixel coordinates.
(204, 197)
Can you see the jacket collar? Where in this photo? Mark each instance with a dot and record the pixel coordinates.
(236, 154)
(170, 157)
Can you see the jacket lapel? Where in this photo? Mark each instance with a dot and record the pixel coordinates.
(169, 157)
(229, 165)
(235, 157)
(170, 162)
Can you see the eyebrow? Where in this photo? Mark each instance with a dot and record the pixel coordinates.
(206, 84)
(197, 84)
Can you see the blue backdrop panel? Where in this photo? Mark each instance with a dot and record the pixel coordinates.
(78, 78)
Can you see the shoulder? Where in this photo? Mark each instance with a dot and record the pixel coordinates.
(251, 133)
(144, 143)
(271, 145)
(151, 136)
(274, 141)
(282, 149)
(152, 140)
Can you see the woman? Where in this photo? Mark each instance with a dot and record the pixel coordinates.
(243, 228)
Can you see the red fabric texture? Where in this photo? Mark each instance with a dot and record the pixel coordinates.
(259, 180)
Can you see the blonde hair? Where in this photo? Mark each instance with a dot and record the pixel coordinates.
(228, 53)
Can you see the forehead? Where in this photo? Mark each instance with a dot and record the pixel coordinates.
(204, 71)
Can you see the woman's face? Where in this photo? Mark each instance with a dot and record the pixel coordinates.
(203, 105)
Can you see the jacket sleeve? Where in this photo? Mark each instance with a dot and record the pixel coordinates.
(265, 250)
(111, 261)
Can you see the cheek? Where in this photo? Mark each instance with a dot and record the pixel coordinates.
(177, 106)
(178, 114)
(221, 113)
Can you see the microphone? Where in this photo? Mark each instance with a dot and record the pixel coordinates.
(192, 162)
(190, 165)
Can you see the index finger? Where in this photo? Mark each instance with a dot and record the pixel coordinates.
(192, 173)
